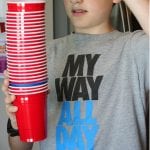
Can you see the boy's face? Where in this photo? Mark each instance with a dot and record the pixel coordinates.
(89, 16)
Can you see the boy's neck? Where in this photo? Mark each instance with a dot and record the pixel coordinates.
(95, 30)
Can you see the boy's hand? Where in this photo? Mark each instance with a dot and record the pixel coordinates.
(10, 109)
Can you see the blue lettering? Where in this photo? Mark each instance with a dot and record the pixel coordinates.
(65, 117)
(77, 131)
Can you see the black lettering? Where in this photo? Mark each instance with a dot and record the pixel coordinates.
(91, 63)
(94, 86)
(80, 89)
(74, 66)
(64, 91)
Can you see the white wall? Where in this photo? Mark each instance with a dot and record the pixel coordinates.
(3, 116)
(49, 16)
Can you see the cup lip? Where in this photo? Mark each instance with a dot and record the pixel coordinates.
(33, 90)
(21, 74)
(26, 61)
(25, 37)
(25, 54)
(24, 19)
(28, 90)
(24, 30)
(25, 48)
(29, 12)
(26, 51)
(35, 63)
(25, 1)
(35, 73)
(35, 33)
(28, 77)
(45, 84)
(25, 67)
(24, 23)
(26, 58)
(27, 81)
(26, 40)
(27, 93)
(39, 25)
(23, 45)
(26, 71)
(22, 15)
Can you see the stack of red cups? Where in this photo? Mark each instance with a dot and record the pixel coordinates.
(26, 64)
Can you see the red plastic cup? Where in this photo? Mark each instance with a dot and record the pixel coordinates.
(25, 6)
(32, 116)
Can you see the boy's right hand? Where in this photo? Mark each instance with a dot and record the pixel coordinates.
(10, 109)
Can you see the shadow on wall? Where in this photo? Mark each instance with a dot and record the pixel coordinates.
(122, 18)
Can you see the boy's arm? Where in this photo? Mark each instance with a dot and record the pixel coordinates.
(140, 9)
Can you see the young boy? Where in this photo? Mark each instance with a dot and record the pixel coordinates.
(99, 83)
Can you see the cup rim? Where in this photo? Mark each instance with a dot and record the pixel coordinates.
(28, 90)
(26, 47)
(44, 72)
(24, 19)
(26, 12)
(25, 37)
(23, 45)
(42, 91)
(11, 52)
(25, 54)
(35, 81)
(24, 30)
(25, 26)
(28, 77)
(35, 63)
(22, 15)
(26, 58)
(26, 71)
(35, 33)
(27, 81)
(26, 41)
(45, 84)
(26, 61)
(26, 23)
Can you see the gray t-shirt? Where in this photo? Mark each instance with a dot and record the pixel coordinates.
(98, 92)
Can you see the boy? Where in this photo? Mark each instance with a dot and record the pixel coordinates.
(98, 80)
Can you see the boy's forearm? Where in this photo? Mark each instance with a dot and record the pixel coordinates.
(140, 9)
(16, 144)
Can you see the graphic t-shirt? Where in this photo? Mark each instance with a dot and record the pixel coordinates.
(98, 87)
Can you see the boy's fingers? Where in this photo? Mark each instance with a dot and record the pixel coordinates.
(6, 73)
(11, 109)
(9, 99)
(5, 87)
(12, 117)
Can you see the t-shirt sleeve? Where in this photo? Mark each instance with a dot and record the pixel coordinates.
(140, 46)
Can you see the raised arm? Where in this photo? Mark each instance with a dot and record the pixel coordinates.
(140, 9)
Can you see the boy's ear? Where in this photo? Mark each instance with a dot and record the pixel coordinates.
(116, 1)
